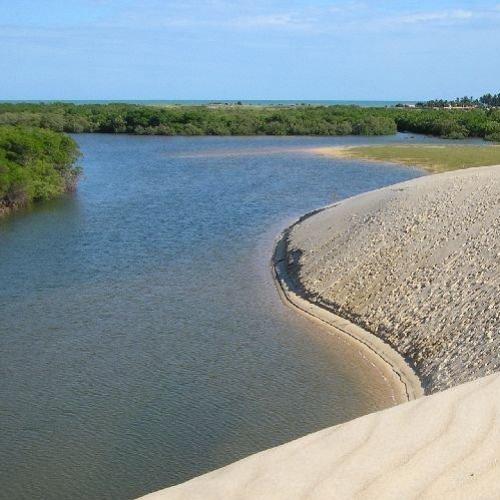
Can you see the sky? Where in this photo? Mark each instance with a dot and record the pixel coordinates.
(248, 49)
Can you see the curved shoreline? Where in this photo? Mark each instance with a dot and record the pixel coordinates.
(414, 263)
(440, 231)
(400, 375)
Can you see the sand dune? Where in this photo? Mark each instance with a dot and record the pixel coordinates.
(441, 446)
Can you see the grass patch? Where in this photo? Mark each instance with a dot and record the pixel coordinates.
(432, 158)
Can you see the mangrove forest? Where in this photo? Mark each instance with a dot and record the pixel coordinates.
(452, 123)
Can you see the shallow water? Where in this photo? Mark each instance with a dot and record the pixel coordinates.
(142, 339)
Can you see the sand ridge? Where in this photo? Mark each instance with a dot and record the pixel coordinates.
(445, 446)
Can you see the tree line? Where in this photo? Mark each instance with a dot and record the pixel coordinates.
(199, 120)
(453, 123)
(486, 100)
(252, 120)
(38, 161)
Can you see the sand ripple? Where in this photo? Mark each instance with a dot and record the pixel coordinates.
(445, 446)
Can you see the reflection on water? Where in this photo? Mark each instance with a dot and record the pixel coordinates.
(142, 339)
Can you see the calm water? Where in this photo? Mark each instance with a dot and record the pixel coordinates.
(265, 102)
(142, 340)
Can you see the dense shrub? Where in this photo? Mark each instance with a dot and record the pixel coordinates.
(201, 120)
(375, 125)
(35, 164)
(494, 136)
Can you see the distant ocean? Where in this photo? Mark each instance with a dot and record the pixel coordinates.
(159, 102)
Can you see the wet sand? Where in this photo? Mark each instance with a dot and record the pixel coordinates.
(392, 366)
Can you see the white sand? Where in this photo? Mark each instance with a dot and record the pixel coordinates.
(445, 446)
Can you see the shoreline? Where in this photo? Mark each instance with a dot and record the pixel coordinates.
(393, 261)
(441, 446)
(405, 383)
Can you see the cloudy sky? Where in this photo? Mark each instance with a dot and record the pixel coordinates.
(248, 49)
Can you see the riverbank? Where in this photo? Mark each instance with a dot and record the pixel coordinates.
(411, 272)
(416, 264)
(35, 165)
(405, 384)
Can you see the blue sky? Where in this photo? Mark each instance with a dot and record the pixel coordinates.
(248, 49)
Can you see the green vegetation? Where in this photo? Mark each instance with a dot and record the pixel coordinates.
(487, 100)
(37, 161)
(200, 120)
(432, 158)
(35, 164)
(452, 123)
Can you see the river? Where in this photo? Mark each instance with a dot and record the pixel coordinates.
(142, 339)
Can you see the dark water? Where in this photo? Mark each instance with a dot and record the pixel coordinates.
(142, 340)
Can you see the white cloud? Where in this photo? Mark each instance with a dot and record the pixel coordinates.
(440, 16)
(278, 20)
(280, 16)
